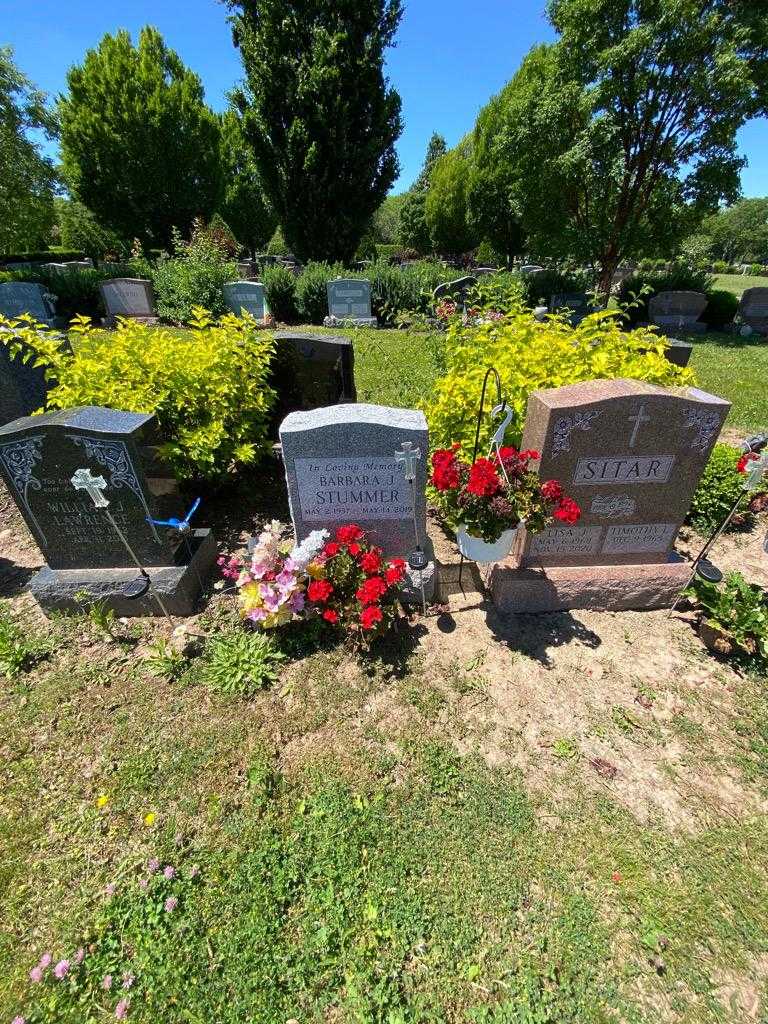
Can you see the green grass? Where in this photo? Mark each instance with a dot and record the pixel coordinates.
(738, 283)
(737, 369)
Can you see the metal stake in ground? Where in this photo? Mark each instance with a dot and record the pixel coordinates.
(84, 480)
(407, 456)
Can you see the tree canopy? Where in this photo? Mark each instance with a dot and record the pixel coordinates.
(614, 140)
(319, 115)
(739, 232)
(244, 207)
(28, 178)
(414, 231)
(445, 209)
(139, 146)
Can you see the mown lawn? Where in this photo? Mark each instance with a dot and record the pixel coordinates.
(738, 283)
(737, 369)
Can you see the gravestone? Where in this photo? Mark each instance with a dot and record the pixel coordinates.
(677, 351)
(341, 467)
(484, 271)
(753, 309)
(631, 455)
(310, 371)
(678, 309)
(457, 290)
(23, 387)
(247, 295)
(130, 297)
(349, 302)
(576, 303)
(246, 269)
(20, 297)
(530, 268)
(39, 456)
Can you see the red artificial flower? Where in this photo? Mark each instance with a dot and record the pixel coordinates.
(370, 616)
(331, 615)
(370, 563)
(371, 590)
(354, 550)
(331, 549)
(395, 571)
(744, 461)
(552, 490)
(483, 479)
(567, 511)
(319, 590)
(348, 534)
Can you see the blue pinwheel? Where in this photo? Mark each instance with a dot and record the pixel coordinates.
(182, 525)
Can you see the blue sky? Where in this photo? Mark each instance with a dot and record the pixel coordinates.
(450, 58)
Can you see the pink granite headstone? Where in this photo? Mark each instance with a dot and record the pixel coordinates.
(631, 454)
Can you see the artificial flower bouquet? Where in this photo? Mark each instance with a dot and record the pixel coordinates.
(345, 582)
(497, 494)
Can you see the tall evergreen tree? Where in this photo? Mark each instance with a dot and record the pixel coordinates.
(413, 224)
(139, 146)
(244, 205)
(28, 178)
(320, 115)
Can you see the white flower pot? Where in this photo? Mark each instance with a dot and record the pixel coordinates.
(478, 550)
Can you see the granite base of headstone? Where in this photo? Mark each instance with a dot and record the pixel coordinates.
(349, 303)
(631, 454)
(341, 466)
(86, 559)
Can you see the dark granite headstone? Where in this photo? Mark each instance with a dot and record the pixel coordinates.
(39, 456)
(311, 371)
(576, 303)
(457, 290)
(23, 388)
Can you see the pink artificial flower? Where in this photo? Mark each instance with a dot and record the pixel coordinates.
(285, 579)
(257, 615)
(170, 904)
(297, 601)
(106, 982)
(61, 970)
(121, 1010)
(36, 974)
(169, 872)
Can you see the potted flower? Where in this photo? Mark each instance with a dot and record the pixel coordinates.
(492, 499)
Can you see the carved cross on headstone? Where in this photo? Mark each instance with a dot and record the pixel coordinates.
(84, 480)
(638, 419)
(407, 456)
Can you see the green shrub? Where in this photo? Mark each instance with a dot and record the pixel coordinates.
(758, 270)
(487, 256)
(718, 489)
(194, 276)
(277, 245)
(555, 281)
(311, 293)
(739, 610)
(208, 389)
(638, 288)
(498, 292)
(721, 308)
(241, 662)
(720, 267)
(530, 355)
(280, 291)
(53, 255)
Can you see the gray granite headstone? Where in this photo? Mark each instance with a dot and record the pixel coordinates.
(312, 370)
(457, 290)
(340, 468)
(530, 268)
(577, 303)
(349, 301)
(678, 309)
(128, 297)
(753, 309)
(19, 297)
(39, 455)
(246, 295)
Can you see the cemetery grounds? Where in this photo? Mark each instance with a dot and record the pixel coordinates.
(561, 818)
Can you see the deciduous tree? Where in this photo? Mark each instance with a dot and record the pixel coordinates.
(139, 146)
(445, 208)
(414, 231)
(319, 114)
(244, 206)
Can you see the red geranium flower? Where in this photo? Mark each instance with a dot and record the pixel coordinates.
(552, 490)
(331, 549)
(371, 590)
(348, 534)
(483, 479)
(319, 590)
(370, 616)
(395, 571)
(370, 563)
(567, 511)
(530, 453)
(331, 615)
(354, 550)
(445, 472)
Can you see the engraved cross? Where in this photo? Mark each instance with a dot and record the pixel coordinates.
(407, 457)
(638, 419)
(84, 480)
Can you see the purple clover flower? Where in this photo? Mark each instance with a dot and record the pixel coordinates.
(153, 865)
(169, 872)
(61, 970)
(121, 1010)
(106, 982)
(170, 904)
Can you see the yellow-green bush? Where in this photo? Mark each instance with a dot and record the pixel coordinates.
(530, 355)
(207, 388)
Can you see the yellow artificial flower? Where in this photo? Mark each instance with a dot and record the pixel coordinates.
(250, 597)
(102, 800)
(316, 570)
(149, 819)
